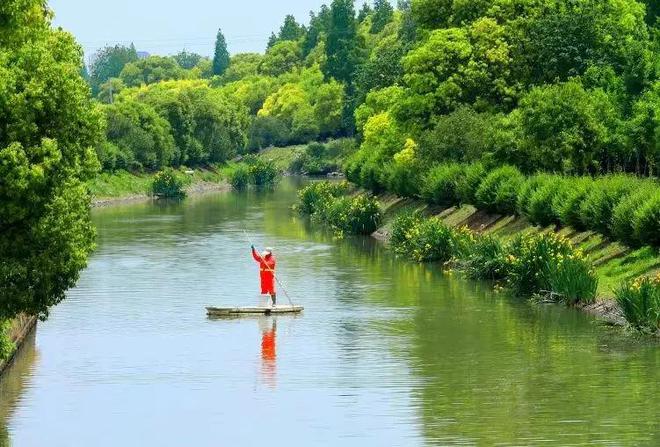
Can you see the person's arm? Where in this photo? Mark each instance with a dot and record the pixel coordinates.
(255, 255)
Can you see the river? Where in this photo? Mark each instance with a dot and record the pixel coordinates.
(386, 353)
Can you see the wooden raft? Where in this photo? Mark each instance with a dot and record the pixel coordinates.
(257, 310)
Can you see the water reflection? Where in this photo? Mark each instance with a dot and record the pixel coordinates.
(268, 327)
(14, 382)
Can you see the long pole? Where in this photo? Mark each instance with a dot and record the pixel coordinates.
(270, 270)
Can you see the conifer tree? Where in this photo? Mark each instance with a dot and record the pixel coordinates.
(221, 57)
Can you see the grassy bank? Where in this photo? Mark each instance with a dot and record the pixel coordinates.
(515, 253)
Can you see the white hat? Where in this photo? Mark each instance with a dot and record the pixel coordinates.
(267, 251)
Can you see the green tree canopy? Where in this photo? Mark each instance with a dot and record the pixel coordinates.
(341, 45)
(108, 63)
(48, 128)
(187, 60)
(281, 58)
(151, 70)
(383, 14)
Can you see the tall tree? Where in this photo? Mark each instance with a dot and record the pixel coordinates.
(341, 45)
(365, 10)
(319, 24)
(221, 57)
(187, 60)
(48, 128)
(383, 13)
(290, 30)
(108, 62)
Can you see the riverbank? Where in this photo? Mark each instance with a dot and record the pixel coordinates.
(614, 263)
(21, 327)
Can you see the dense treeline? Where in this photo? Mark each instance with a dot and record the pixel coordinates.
(48, 129)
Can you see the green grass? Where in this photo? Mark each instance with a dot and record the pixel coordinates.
(282, 156)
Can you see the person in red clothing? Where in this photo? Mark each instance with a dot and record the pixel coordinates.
(266, 262)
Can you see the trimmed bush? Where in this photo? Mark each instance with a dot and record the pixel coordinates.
(239, 177)
(640, 302)
(596, 208)
(167, 184)
(624, 216)
(403, 179)
(499, 191)
(528, 188)
(539, 208)
(469, 182)
(567, 203)
(647, 221)
(440, 184)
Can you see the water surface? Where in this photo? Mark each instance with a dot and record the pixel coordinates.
(386, 352)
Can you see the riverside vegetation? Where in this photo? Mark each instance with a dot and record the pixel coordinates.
(568, 88)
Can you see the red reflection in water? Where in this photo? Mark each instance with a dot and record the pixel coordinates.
(269, 352)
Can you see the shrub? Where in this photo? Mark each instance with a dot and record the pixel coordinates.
(431, 240)
(486, 259)
(353, 166)
(596, 208)
(403, 179)
(499, 190)
(6, 345)
(573, 279)
(539, 208)
(440, 185)
(624, 216)
(529, 187)
(318, 194)
(239, 177)
(469, 182)
(647, 221)
(359, 214)
(567, 203)
(372, 176)
(401, 232)
(262, 173)
(640, 303)
(168, 184)
(531, 259)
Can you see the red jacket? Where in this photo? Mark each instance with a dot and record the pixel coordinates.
(266, 273)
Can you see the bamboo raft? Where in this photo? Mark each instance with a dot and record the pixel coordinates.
(257, 310)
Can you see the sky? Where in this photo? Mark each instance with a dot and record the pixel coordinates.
(168, 26)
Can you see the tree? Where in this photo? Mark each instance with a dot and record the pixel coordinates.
(290, 30)
(281, 58)
(137, 129)
(241, 66)
(187, 60)
(221, 57)
(341, 44)
(383, 13)
(48, 128)
(432, 14)
(151, 70)
(318, 27)
(108, 63)
(364, 12)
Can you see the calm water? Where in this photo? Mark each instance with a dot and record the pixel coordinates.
(386, 352)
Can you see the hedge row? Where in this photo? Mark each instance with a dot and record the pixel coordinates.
(622, 207)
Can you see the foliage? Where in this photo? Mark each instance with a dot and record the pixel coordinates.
(625, 215)
(358, 214)
(321, 159)
(539, 209)
(239, 177)
(646, 221)
(341, 51)
(597, 206)
(151, 70)
(108, 62)
(137, 138)
(498, 192)
(168, 184)
(49, 127)
(573, 280)
(440, 186)
(429, 240)
(486, 259)
(469, 182)
(187, 60)
(383, 13)
(318, 194)
(281, 58)
(263, 173)
(6, 345)
(221, 56)
(640, 302)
